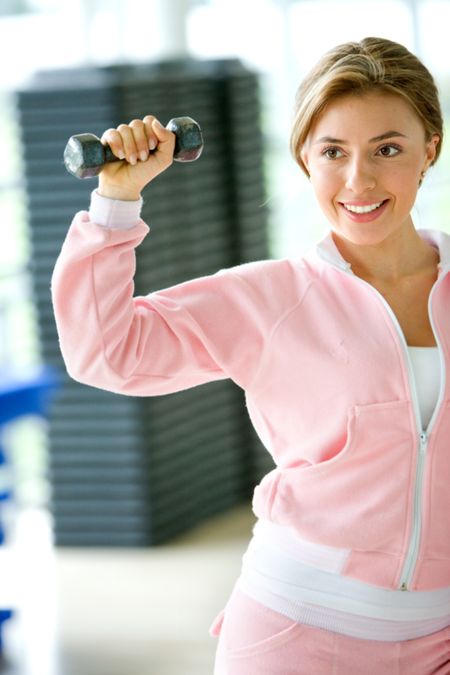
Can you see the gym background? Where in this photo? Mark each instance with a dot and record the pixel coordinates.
(96, 609)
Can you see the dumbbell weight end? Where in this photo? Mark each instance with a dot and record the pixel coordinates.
(85, 155)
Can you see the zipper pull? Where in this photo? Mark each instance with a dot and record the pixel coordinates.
(404, 586)
(423, 441)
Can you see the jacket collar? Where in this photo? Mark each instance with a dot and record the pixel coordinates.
(328, 251)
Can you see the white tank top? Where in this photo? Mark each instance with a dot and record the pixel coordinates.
(426, 369)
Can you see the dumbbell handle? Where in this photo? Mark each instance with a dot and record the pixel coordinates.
(85, 155)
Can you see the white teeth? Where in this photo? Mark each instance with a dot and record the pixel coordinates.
(362, 209)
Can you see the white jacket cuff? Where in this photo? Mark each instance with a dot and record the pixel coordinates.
(114, 214)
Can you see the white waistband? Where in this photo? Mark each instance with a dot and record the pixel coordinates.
(278, 579)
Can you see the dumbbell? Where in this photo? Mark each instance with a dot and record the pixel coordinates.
(85, 155)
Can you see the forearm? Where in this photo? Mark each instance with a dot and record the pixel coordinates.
(113, 340)
(92, 288)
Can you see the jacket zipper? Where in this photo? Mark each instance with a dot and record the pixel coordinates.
(423, 435)
(413, 550)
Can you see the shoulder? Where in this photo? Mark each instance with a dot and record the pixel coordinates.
(278, 271)
(280, 282)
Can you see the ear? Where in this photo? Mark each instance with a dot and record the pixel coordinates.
(431, 150)
(304, 158)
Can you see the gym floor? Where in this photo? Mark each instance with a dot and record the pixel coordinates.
(117, 612)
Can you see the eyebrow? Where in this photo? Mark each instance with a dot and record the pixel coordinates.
(375, 139)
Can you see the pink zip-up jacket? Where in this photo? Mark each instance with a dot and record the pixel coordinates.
(327, 378)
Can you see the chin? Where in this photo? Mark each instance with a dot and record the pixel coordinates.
(363, 236)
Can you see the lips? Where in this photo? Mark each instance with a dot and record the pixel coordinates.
(364, 211)
(359, 208)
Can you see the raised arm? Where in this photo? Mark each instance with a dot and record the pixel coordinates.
(203, 330)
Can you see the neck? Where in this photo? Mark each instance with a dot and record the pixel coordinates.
(402, 254)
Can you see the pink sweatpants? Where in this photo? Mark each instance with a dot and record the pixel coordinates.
(255, 640)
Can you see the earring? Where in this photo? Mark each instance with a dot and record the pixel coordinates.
(422, 176)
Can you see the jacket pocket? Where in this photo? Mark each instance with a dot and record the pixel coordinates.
(359, 498)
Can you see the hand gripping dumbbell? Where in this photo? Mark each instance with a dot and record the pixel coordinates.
(85, 155)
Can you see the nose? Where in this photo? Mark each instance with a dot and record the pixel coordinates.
(360, 176)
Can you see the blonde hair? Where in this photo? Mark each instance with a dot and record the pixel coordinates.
(374, 64)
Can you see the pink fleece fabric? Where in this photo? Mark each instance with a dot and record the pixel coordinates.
(325, 375)
(254, 640)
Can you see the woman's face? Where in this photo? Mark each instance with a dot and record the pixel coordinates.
(365, 155)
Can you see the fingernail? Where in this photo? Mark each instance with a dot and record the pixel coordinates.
(158, 124)
(121, 154)
(133, 159)
(151, 144)
(143, 156)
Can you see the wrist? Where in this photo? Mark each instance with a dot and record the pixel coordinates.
(124, 194)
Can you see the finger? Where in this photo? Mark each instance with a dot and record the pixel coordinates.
(112, 138)
(151, 137)
(140, 139)
(131, 153)
(166, 138)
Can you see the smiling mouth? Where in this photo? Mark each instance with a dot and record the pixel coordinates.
(366, 208)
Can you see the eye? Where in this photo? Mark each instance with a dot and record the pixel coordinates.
(332, 153)
(389, 150)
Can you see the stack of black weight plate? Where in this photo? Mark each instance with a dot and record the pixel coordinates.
(136, 471)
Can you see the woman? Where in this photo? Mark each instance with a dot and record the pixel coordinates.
(343, 357)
